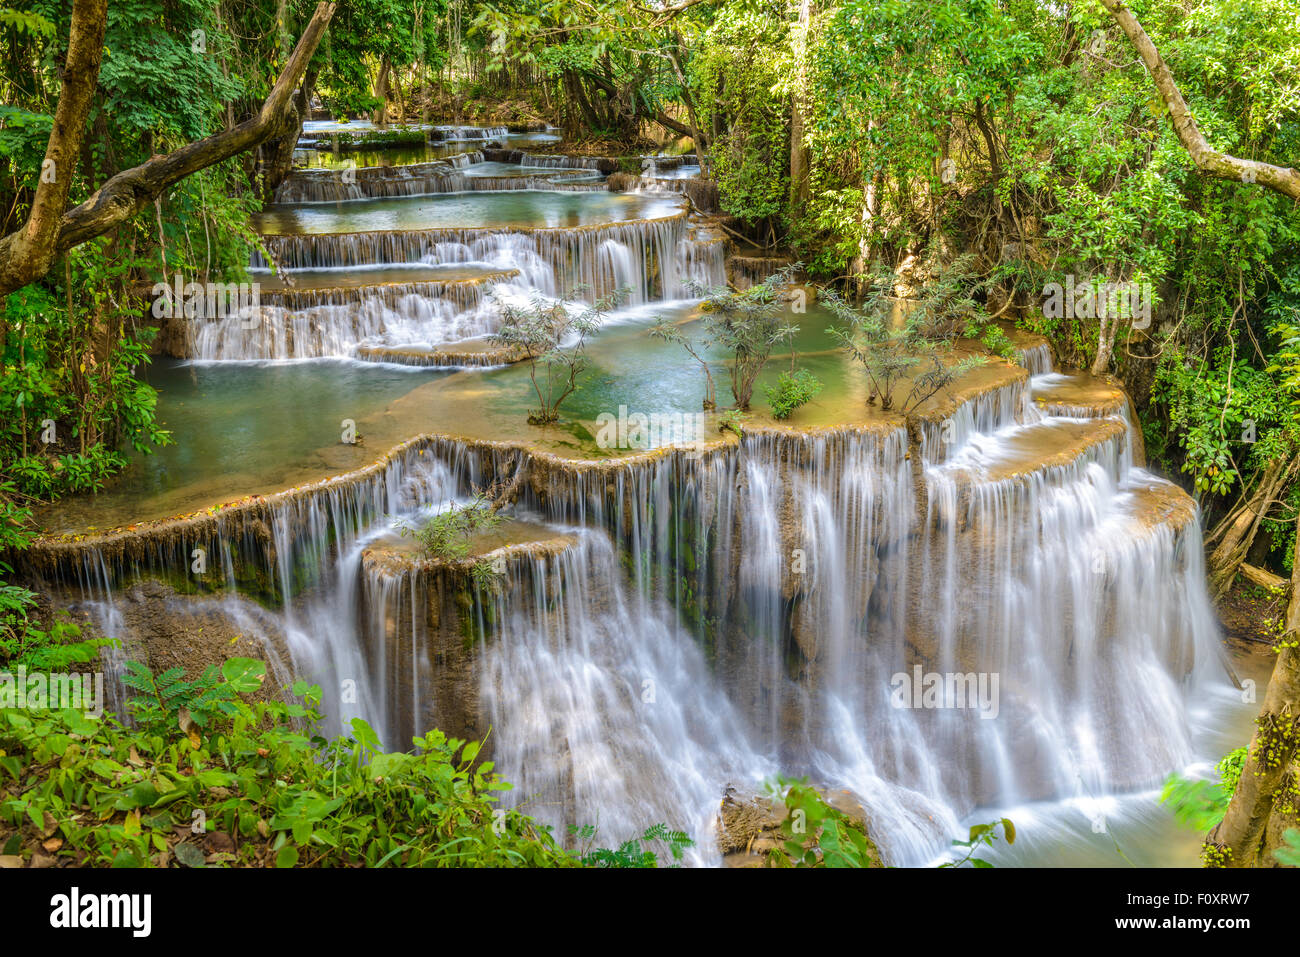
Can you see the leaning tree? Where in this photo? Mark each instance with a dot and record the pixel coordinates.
(51, 228)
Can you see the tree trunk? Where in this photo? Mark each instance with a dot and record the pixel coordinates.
(1282, 180)
(275, 156)
(1239, 840)
(870, 210)
(399, 113)
(380, 116)
(26, 255)
(798, 150)
(1106, 329)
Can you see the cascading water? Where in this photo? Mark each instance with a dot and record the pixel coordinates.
(547, 161)
(604, 708)
(702, 620)
(649, 259)
(821, 576)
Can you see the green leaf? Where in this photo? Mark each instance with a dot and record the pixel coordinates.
(365, 736)
(1289, 854)
(143, 794)
(244, 675)
(287, 857)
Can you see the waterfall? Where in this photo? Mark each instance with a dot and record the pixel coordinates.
(652, 259)
(495, 183)
(604, 708)
(574, 255)
(545, 161)
(337, 185)
(1037, 359)
(318, 322)
(463, 160)
(986, 412)
(771, 593)
(986, 605)
(462, 133)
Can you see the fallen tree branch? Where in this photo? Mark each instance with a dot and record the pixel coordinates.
(1235, 543)
(1280, 179)
(26, 255)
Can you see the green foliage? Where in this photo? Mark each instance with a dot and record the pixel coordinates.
(252, 785)
(737, 67)
(607, 70)
(982, 835)
(1228, 418)
(277, 794)
(485, 576)
(638, 852)
(1229, 768)
(1200, 804)
(1289, 853)
(376, 139)
(791, 391)
(25, 640)
(161, 700)
(68, 408)
(552, 337)
(816, 833)
(913, 348)
(364, 35)
(24, 21)
(447, 535)
(732, 420)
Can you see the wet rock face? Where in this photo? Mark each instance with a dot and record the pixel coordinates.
(162, 629)
(423, 624)
(750, 828)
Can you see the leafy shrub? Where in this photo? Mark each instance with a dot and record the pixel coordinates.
(211, 778)
(168, 700)
(791, 391)
(552, 338)
(447, 535)
(982, 835)
(732, 421)
(255, 787)
(816, 833)
(916, 350)
(747, 326)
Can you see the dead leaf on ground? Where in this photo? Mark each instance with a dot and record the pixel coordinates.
(220, 842)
